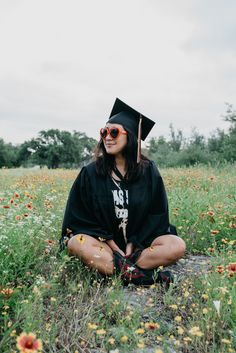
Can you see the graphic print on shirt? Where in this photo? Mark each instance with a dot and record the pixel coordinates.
(120, 197)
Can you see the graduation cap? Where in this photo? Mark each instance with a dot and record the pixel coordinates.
(131, 120)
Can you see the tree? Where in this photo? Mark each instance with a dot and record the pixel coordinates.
(176, 139)
(55, 148)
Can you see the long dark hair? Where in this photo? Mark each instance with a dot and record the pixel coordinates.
(106, 162)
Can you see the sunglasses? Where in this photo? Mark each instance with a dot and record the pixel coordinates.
(113, 132)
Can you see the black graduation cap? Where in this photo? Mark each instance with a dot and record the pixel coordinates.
(123, 114)
(131, 120)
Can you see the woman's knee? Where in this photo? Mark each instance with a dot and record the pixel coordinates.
(178, 248)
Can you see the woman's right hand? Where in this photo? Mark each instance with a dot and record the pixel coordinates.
(115, 247)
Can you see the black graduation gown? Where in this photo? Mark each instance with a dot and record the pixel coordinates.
(90, 207)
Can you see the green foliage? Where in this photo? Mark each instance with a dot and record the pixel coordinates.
(8, 155)
(220, 147)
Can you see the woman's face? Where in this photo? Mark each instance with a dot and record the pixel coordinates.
(115, 145)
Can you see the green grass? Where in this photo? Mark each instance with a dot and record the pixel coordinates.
(63, 303)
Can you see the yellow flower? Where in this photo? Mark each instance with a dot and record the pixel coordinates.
(124, 339)
(80, 238)
(178, 318)
(116, 302)
(180, 330)
(27, 343)
(159, 351)
(140, 344)
(195, 331)
(205, 310)
(205, 296)
(111, 340)
(224, 340)
(92, 326)
(101, 332)
(140, 331)
(173, 306)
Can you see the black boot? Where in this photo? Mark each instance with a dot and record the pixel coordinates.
(131, 273)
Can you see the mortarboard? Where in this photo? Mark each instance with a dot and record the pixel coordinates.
(132, 120)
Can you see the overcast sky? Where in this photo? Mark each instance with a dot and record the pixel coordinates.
(63, 63)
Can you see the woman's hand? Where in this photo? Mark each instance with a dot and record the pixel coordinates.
(115, 247)
(129, 249)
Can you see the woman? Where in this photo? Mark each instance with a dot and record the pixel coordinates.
(116, 219)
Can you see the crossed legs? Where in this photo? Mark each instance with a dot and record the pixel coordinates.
(94, 253)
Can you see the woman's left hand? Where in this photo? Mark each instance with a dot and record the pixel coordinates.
(129, 249)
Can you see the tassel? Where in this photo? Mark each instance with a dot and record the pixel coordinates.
(139, 138)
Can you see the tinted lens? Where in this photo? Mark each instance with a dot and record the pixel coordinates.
(103, 133)
(114, 133)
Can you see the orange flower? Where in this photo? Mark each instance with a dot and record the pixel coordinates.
(6, 206)
(27, 343)
(25, 214)
(29, 206)
(211, 249)
(7, 291)
(17, 195)
(18, 217)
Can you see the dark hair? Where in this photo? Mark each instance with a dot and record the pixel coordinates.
(106, 162)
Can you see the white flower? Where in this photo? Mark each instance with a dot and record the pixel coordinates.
(217, 306)
(130, 269)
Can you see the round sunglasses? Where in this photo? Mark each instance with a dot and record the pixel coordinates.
(113, 132)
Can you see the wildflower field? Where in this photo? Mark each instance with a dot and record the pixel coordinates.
(51, 303)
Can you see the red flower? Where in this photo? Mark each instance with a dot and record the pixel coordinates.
(231, 267)
(220, 269)
(210, 213)
(27, 343)
(49, 242)
(215, 231)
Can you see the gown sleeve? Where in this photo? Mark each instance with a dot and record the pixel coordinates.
(80, 215)
(156, 222)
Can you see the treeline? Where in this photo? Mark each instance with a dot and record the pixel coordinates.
(178, 151)
(54, 148)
